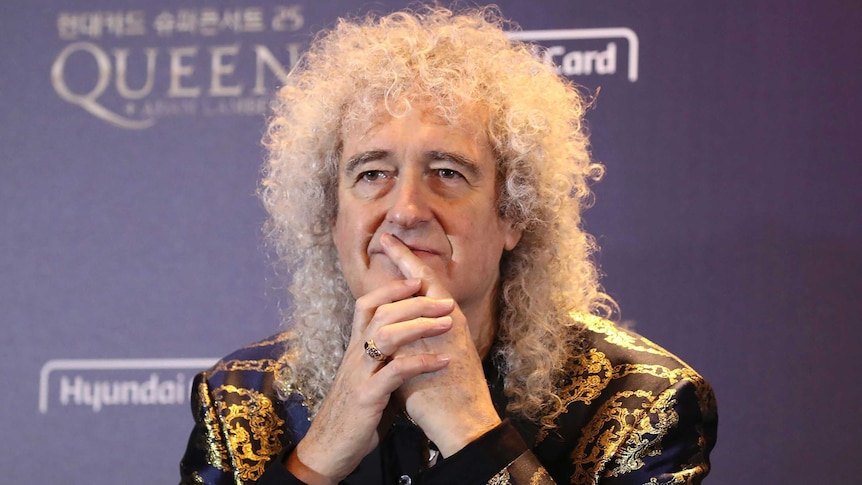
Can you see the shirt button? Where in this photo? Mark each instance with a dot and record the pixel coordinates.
(404, 480)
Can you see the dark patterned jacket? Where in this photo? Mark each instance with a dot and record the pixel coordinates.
(635, 415)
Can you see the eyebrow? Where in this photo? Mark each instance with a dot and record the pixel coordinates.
(465, 163)
(363, 157)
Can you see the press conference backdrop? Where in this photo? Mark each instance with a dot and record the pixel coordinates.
(131, 255)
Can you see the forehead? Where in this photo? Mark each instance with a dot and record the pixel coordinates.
(361, 122)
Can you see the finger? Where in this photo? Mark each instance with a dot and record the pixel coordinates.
(392, 337)
(384, 342)
(366, 305)
(395, 373)
(409, 309)
(411, 266)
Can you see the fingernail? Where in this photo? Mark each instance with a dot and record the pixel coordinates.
(388, 239)
(443, 358)
(447, 301)
(444, 322)
(412, 282)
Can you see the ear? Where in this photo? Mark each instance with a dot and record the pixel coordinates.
(512, 235)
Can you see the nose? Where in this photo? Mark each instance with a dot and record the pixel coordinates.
(410, 204)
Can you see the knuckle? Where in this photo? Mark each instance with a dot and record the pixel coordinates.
(383, 338)
(363, 304)
(427, 360)
(379, 318)
(395, 365)
(396, 368)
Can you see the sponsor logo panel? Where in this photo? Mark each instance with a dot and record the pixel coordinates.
(95, 384)
(588, 52)
(132, 68)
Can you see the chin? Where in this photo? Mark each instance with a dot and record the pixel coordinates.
(379, 275)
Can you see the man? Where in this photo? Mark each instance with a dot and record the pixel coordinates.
(425, 182)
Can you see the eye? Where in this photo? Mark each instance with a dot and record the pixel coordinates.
(448, 173)
(371, 175)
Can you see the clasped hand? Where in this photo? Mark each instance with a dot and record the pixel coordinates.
(433, 370)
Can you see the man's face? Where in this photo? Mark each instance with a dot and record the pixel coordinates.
(433, 186)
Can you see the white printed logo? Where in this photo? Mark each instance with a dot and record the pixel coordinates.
(97, 383)
(182, 71)
(577, 62)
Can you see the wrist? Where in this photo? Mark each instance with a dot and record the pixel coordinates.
(304, 472)
(480, 460)
(461, 435)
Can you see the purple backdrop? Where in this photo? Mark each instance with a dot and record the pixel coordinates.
(131, 255)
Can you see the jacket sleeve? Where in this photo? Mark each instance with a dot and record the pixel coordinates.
(667, 440)
(644, 438)
(276, 473)
(206, 460)
(235, 438)
(498, 457)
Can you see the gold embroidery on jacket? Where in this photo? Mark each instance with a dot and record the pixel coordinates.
(212, 443)
(606, 432)
(644, 439)
(703, 391)
(196, 479)
(697, 468)
(594, 373)
(629, 425)
(527, 470)
(252, 429)
(705, 395)
(262, 365)
(276, 339)
(617, 337)
(501, 478)
(662, 372)
(538, 476)
(685, 477)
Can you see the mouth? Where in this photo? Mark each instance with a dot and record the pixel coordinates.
(423, 252)
(419, 248)
(418, 251)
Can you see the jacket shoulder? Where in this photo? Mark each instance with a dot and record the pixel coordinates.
(623, 346)
(635, 406)
(618, 359)
(260, 357)
(241, 421)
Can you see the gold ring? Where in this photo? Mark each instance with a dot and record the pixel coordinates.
(372, 351)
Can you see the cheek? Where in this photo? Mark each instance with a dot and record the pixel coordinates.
(484, 243)
(351, 234)
(337, 228)
(480, 247)
(342, 234)
(346, 252)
